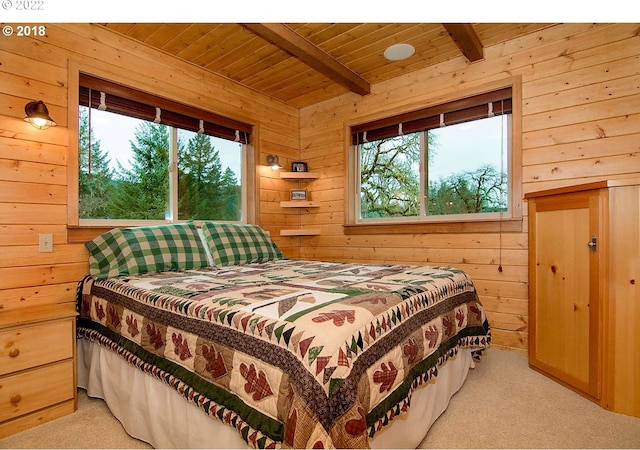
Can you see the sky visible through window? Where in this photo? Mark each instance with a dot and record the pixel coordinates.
(115, 131)
(454, 154)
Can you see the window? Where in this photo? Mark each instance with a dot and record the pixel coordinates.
(143, 158)
(451, 162)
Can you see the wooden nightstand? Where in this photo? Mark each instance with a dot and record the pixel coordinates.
(37, 366)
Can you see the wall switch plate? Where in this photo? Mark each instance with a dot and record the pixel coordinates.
(45, 243)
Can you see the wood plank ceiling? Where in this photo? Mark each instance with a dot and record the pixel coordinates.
(305, 63)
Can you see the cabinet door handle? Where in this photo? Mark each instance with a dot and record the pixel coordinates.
(14, 352)
(593, 243)
(15, 399)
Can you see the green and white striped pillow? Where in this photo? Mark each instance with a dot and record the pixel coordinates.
(132, 251)
(234, 244)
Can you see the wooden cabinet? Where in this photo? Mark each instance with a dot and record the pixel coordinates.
(300, 177)
(564, 330)
(37, 366)
(584, 306)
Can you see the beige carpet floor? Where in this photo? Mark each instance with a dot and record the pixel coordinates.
(503, 404)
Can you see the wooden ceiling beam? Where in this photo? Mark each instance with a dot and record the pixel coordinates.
(466, 39)
(288, 40)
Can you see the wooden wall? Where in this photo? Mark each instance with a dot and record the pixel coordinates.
(34, 163)
(581, 110)
(581, 103)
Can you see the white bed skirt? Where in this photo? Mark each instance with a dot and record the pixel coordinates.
(155, 413)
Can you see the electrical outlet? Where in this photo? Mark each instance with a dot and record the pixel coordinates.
(45, 243)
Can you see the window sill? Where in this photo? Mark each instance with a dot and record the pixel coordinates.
(82, 233)
(511, 225)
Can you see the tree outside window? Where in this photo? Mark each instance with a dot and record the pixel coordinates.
(436, 173)
(129, 178)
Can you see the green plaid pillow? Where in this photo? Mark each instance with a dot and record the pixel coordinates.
(164, 247)
(106, 254)
(158, 248)
(233, 244)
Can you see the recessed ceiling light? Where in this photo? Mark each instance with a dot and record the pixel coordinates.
(398, 52)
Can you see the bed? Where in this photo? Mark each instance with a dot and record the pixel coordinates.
(210, 338)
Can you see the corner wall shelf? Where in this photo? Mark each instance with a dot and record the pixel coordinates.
(300, 175)
(301, 232)
(299, 204)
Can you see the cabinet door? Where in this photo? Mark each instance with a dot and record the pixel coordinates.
(565, 233)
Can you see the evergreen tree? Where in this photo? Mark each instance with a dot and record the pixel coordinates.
(200, 180)
(232, 195)
(142, 191)
(95, 176)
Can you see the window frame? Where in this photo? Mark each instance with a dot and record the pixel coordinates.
(480, 222)
(80, 229)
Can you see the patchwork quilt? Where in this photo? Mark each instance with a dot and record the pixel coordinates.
(292, 354)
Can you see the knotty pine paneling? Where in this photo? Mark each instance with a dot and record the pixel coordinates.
(38, 152)
(581, 105)
(580, 114)
(28, 255)
(42, 275)
(13, 170)
(12, 298)
(34, 163)
(14, 191)
(11, 235)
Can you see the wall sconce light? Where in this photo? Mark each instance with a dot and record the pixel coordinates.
(272, 160)
(37, 115)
